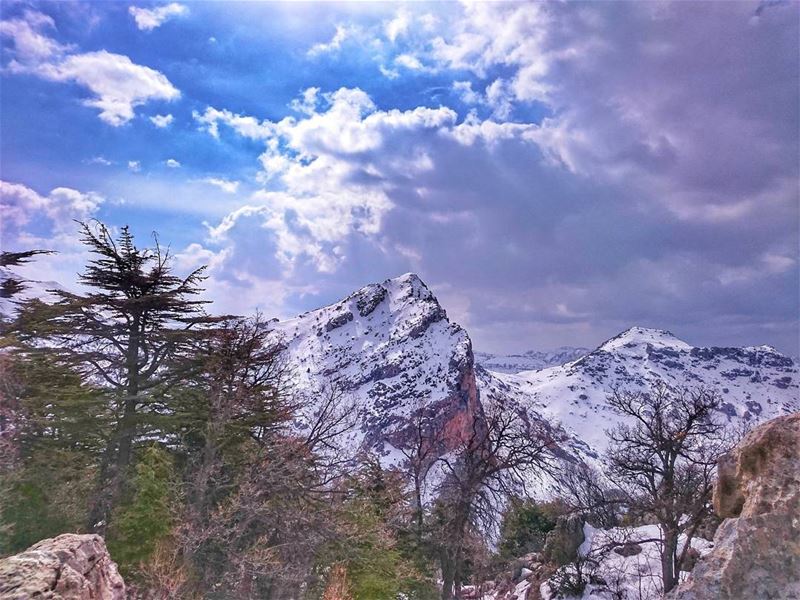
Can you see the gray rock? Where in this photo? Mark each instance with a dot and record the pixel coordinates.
(562, 543)
(628, 549)
(67, 567)
(757, 548)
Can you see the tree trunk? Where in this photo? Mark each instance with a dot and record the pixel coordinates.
(669, 574)
(448, 576)
(116, 461)
(118, 455)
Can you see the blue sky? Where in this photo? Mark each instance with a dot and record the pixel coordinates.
(555, 172)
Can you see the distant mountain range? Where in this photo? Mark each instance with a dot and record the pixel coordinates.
(394, 352)
(532, 360)
(755, 383)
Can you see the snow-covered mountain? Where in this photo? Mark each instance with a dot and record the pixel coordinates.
(392, 350)
(30, 289)
(755, 383)
(532, 360)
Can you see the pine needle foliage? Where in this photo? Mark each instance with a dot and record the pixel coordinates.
(129, 332)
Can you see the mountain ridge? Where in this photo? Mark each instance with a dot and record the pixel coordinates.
(397, 355)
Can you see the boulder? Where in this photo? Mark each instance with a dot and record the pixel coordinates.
(628, 549)
(67, 567)
(562, 543)
(762, 474)
(757, 547)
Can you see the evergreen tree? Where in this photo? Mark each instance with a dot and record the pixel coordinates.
(10, 283)
(54, 438)
(147, 519)
(524, 527)
(127, 332)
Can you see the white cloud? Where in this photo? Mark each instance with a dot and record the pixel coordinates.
(473, 129)
(466, 93)
(342, 34)
(499, 98)
(409, 61)
(307, 103)
(226, 185)
(117, 83)
(22, 206)
(99, 160)
(319, 160)
(193, 257)
(31, 46)
(398, 26)
(498, 34)
(172, 163)
(134, 165)
(162, 121)
(389, 73)
(248, 127)
(148, 19)
(32, 220)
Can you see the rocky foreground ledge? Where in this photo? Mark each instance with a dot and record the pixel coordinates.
(67, 567)
(757, 547)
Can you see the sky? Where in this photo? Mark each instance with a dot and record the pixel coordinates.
(555, 172)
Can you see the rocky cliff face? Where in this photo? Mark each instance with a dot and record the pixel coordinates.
(68, 567)
(757, 547)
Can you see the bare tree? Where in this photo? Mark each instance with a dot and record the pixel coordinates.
(263, 480)
(503, 450)
(662, 460)
(421, 453)
(585, 491)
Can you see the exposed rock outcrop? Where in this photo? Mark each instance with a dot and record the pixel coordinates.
(757, 547)
(521, 582)
(564, 540)
(67, 567)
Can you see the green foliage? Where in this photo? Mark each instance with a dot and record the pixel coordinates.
(44, 497)
(147, 518)
(46, 476)
(525, 526)
(378, 558)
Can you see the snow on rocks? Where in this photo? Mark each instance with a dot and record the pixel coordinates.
(532, 360)
(633, 573)
(391, 350)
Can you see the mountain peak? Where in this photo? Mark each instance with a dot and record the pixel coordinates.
(635, 337)
(390, 349)
(413, 283)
